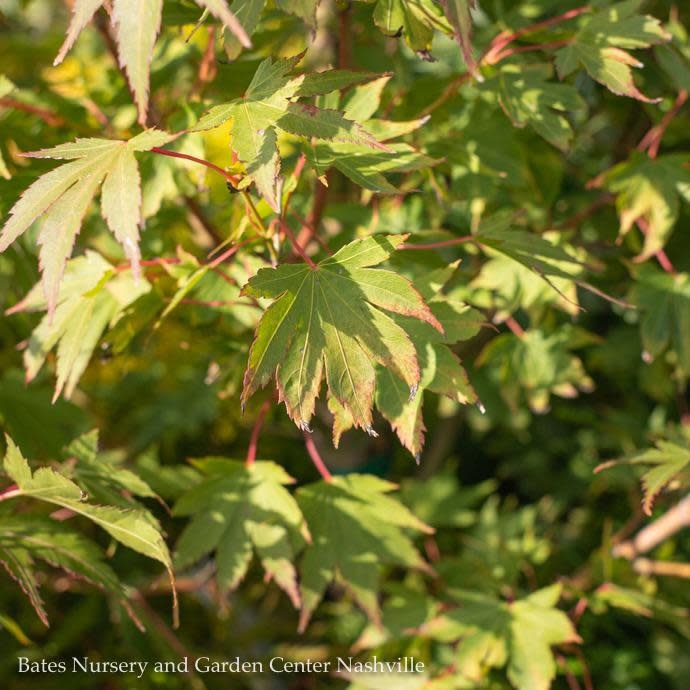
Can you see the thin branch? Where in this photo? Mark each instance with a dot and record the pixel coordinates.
(312, 232)
(664, 527)
(439, 245)
(256, 432)
(652, 140)
(198, 213)
(232, 179)
(515, 327)
(48, 116)
(645, 566)
(344, 37)
(496, 51)
(530, 48)
(316, 458)
(311, 227)
(503, 39)
(295, 243)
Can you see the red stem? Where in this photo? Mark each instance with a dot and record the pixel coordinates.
(515, 327)
(48, 116)
(503, 39)
(528, 49)
(665, 262)
(256, 432)
(438, 245)
(296, 245)
(652, 140)
(10, 492)
(232, 179)
(316, 458)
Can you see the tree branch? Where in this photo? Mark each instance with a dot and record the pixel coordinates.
(664, 527)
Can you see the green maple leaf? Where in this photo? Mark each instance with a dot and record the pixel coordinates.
(136, 24)
(237, 510)
(136, 529)
(540, 364)
(26, 539)
(648, 190)
(91, 298)
(356, 527)
(269, 104)
(519, 635)
(601, 43)
(415, 19)
(664, 303)
(329, 320)
(363, 165)
(440, 369)
(667, 460)
(527, 97)
(60, 199)
(102, 476)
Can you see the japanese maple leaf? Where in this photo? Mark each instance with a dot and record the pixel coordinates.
(136, 24)
(329, 320)
(357, 527)
(237, 510)
(602, 42)
(61, 198)
(270, 104)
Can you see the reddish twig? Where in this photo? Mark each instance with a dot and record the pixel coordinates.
(256, 432)
(232, 179)
(664, 527)
(311, 227)
(496, 52)
(439, 245)
(50, 118)
(515, 327)
(312, 232)
(11, 492)
(506, 37)
(652, 140)
(162, 261)
(529, 49)
(316, 458)
(645, 566)
(660, 255)
(197, 212)
(295, 243)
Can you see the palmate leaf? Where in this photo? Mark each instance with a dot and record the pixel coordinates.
(269, 105)
(363, 165)
(667, 460)
(236, 511)
(664, 303)
(541, 364)
(601, 43)
(648, 190)
(92, 297)
(528, 97)
(356, 527)
(416, 20)
(61, 198)
(135, 529)
(329, 320)
(104, 479)
(518, 634)
(136, 24)
(26, 539)
(440, 369)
